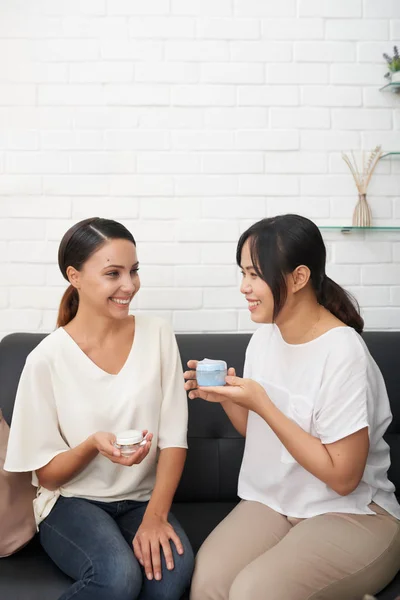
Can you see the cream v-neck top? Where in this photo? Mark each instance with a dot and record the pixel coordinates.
(331, 387)
(63, 397)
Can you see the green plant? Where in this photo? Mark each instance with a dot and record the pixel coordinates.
(393, 62)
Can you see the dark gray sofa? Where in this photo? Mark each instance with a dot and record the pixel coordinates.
(207, 491)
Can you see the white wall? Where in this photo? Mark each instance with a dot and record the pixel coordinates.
(188, 120)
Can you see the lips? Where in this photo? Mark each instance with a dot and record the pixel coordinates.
(253, 303)
(120, 301)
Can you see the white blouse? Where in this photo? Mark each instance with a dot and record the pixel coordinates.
(63, 397)
(331, 387)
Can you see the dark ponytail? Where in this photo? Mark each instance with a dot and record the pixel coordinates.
(68, 306)
(279, 245)
(77, 245)
(340, 303)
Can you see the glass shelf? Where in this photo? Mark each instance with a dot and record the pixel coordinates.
(389, 154)
(394, 87)
(350, 228)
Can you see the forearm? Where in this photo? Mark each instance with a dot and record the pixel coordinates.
(237, 416)
(169, 471)
(67, 465)
(308, 450)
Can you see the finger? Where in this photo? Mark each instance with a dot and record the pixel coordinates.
(233, 380)
(189, 374)
(132, 459)
(140, 455)
(146, 554)
(137, 550)
(211, 396)
(156, 558)
(106, 443)
(177, 541)
(191, 384)
(109, 447)
(232, 372)
(194, 394)
(166, 547)
(222, 390)
(110, 455)
(192, 364)
(137, 457)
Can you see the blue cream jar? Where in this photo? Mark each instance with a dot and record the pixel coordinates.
(211, 372)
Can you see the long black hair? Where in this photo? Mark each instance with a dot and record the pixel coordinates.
(77, 245)
(280, 244)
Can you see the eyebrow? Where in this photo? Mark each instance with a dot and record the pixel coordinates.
(134, 266)
(251, 268)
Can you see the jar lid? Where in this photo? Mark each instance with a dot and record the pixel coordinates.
(130, 436)
(211, 365)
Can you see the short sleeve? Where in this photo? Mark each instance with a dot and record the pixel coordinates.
(174, 409)
(35, 437)
(342, 407)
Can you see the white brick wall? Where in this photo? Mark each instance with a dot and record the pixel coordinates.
(188, 120)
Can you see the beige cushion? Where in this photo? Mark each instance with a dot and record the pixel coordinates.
(17, 522)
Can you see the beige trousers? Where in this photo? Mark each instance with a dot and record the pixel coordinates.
(256, 553)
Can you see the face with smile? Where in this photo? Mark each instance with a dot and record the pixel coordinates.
(257, 292)
(109, 279)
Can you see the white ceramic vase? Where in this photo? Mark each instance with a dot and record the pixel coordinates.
(362, 212)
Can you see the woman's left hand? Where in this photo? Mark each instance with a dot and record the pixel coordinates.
(153, 533)
(245, 392)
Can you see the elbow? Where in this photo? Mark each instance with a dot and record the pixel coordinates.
(345, 487)
(48, 485)
(46, 482)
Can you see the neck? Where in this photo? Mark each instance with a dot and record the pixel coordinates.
(89, 327)
(297, 322)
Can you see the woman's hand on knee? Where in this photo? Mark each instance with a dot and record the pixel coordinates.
(104, 444)
(155, 534)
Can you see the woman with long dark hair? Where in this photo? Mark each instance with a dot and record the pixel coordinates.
(318, 517)
(101, 372)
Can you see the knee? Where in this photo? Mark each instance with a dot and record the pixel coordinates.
(184, 565)
(174, 582)
(204, 586)
(120, 578)
(243, 586)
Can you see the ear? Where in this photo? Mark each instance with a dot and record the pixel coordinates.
(73, 277)
(300, 278)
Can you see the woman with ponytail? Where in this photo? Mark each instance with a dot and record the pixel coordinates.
(104, 371)
(318, 519)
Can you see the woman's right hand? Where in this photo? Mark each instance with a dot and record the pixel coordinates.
(237, 415)
(191, 384)
(103, 442)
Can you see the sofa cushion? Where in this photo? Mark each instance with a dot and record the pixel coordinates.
(207, 491)
(31, 575)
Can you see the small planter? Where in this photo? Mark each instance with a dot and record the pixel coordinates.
(393, 63)
(395, 77)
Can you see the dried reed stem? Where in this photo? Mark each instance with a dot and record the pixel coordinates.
(363, 177)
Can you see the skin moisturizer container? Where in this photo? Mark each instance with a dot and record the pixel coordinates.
(211, 372)
(129, 442)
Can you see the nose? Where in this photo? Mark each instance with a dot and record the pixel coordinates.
(127, 284)
(245, 287)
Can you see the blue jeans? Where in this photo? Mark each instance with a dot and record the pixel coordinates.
(92, 543)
